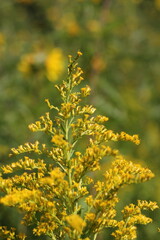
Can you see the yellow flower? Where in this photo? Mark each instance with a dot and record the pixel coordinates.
(31, 62)
(19, 197)
(90, 216)
(94, 26)
(2, 39)
(79, 53)
(72, 28)
(58, 140)
(25, 64)
(54, 64)
(157, 4)
(76, 222)
(51, 190)
(85, 91)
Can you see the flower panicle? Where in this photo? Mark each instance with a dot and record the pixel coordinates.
(27, 147)
(6, 233)
(132, 215)
(50, 186)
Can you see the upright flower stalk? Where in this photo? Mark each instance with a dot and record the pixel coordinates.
(54, 189)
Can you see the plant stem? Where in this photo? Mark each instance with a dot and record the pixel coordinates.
(53, 237)
(95, 236)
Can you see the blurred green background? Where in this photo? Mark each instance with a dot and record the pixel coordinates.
(120, 41)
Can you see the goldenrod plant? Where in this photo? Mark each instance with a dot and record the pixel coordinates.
(54, 186)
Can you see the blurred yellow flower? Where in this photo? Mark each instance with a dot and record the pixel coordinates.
(31, 62)
(76, 222)
(70, 24)
(72, 28)
(157, 4)
(98, 63)
(2, 39)
(94, 26)
(26, 62)
(54, 64)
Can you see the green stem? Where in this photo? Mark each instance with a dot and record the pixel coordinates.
(66, 130)
(70, 177)
(53, 237)
(62, 167)
(95, 236)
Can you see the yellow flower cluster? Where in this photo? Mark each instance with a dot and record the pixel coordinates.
(40, 62)
(27, 147)
(132, 215)
(50, 187)
(26, 164)
(11, 234)
(19, 197)
(76, 222)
